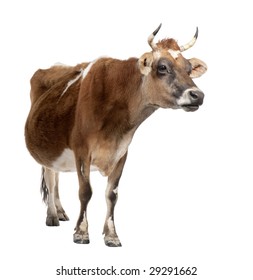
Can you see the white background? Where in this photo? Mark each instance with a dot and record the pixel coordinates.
(185, 196)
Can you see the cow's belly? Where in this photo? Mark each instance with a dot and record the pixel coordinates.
(103, 158)
(65, 162)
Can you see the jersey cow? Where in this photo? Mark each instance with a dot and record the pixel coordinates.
(83, 118)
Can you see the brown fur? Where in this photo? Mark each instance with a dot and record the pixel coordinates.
(167, 44)
(47, 127)
(106, 106)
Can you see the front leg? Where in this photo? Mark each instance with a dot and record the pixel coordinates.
(111, 194)
(81, 234)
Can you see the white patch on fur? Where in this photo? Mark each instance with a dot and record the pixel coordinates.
(87, 69)
(65, 162)
(71, 82)
(84, 224)
(110, 224)
(123, 146)
(115, 190)
(174, 53)
(184, 98)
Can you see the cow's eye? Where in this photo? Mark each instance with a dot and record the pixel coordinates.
(162, 68)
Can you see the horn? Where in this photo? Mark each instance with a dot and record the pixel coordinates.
(151, 38)
(191, 43)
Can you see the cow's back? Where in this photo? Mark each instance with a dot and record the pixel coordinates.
(44, 79)
(52, 113)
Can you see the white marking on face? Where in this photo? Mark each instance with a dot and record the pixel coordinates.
(156, 55)
(184, 98)
(174, 53)
(65, 162)
(71, 82)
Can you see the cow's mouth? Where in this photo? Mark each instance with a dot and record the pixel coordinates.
(190, 108)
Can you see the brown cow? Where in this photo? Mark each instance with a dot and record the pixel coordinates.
(83, 118)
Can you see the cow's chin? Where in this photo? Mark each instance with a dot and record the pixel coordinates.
(190, 108)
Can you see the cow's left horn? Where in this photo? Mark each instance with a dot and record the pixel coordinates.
(191, 43)
(151, 38)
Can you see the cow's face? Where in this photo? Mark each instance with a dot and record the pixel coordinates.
(168, 75)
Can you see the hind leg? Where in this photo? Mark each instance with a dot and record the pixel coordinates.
(49, 177)
(81, 235)
(62, 216)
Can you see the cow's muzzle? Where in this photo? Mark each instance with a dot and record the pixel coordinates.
(191, 99)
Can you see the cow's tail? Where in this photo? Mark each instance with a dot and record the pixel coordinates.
(43, 187)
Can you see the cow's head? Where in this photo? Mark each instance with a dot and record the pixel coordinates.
(168, 75)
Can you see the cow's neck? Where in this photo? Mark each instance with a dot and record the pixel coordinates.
(137, 104)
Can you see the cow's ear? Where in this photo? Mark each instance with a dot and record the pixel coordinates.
(198, 67)
(145, 63)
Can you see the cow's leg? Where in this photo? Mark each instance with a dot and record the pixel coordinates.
(62, 216)
(81, 234)
(111, 194)
(48, 186)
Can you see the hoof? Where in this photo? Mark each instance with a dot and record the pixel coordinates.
(81, 238)
(62, 216)
(112, 242)
(52, 221)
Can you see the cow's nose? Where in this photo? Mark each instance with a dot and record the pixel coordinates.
(196, 96)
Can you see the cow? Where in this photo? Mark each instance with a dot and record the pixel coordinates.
(83, 118)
